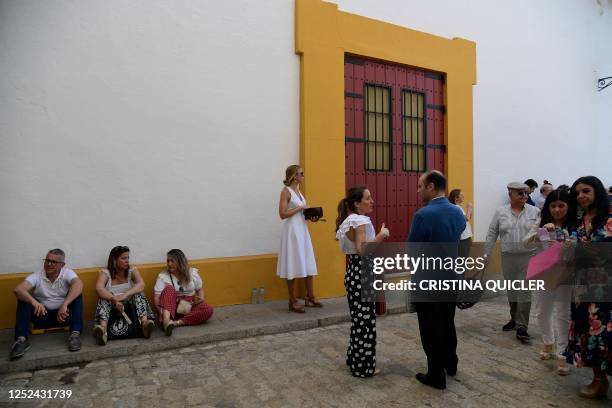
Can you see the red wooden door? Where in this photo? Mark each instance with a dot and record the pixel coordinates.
(394, 131)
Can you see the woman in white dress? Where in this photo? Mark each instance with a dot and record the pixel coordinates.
(465, 241)
(354, 230)
(296, 258)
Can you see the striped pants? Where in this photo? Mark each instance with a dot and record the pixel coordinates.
(200, 312)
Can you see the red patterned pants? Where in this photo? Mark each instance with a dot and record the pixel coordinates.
(198, 315)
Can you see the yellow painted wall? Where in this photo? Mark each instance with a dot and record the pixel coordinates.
(323, 36)
(227, 281)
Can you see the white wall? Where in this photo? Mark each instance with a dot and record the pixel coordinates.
(603, 68)
(537, 112)
(158, 124)
(152, 124)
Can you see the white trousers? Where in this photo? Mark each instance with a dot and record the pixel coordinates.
(553, 309)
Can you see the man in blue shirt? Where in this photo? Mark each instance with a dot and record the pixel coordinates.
(438, 222)
(532, 184)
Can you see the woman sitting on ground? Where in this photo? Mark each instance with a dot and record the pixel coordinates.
(179, 295)
(117, 286)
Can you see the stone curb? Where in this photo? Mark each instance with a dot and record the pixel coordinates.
(140, 346)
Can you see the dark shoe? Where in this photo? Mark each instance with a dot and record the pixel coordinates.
(20, 347)
(522, 335)
(597, 389)
(74, 341)
(169, 328)
(424, 379)
(511, 325)
(451, 369)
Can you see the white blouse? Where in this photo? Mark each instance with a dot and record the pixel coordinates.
(163, 279)
(352, 222)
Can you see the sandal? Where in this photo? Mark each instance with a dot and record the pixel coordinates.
(147, 327)
(294, 307)
(563, 368)
(100, 334)
(169, 327)
(547, 352)
(312, 302)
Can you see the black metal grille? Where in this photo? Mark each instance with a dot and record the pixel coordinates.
(377, 101)
(413, 131)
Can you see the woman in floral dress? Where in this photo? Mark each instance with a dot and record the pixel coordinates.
(590, 335)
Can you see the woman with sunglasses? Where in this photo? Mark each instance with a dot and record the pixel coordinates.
(590, 335)
(179, 294)
(296, 257)
(118, 286)
(553, 304)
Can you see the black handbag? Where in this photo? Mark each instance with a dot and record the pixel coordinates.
(119, 327)
(313, 212)
(469, 297)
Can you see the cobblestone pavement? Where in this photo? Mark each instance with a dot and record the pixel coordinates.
(307, 369)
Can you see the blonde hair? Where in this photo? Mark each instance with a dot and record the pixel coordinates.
(182, 265)
(290, 174)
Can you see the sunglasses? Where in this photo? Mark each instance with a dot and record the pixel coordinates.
(51, 262)
(521, 193)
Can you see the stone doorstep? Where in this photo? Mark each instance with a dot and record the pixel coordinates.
(227, 323)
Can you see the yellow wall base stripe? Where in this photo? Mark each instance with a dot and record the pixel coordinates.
(227, 281)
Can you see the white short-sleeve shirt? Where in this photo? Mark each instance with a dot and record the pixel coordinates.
(51, 294)
(163, 279)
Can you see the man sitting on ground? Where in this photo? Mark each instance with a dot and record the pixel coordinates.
(49, 298)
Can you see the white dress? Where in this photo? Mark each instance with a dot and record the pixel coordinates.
(296, 258)
(467, 232)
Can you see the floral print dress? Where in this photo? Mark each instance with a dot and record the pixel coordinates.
(590, 334)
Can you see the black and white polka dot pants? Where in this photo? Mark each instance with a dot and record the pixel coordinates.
(361, 352)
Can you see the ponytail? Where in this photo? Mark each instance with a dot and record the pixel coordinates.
(342, 213)
(290, 173)
(347, 204)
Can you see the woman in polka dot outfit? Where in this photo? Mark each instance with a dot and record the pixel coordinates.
(353, 230)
